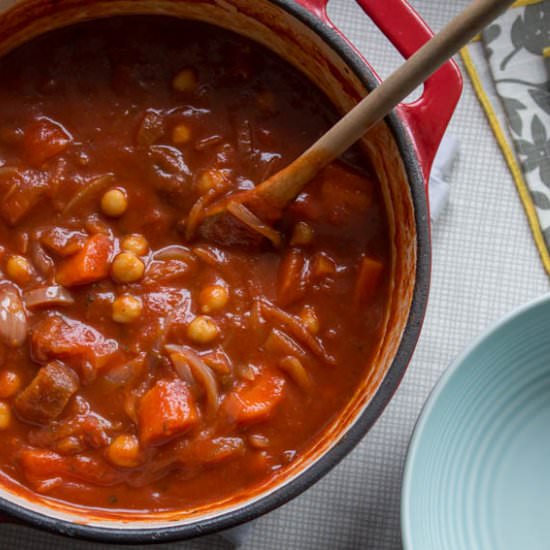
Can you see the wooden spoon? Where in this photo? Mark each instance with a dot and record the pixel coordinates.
(234, 220)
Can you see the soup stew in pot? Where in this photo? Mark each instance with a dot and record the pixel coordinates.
(142, 367)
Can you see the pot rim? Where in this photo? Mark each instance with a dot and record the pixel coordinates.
(361, 425)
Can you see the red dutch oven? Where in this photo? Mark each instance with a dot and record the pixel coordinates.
(401, 149)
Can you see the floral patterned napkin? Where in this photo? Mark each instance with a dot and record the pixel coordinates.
(509, 70)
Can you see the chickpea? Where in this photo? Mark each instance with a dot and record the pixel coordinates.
(135, 243)
(310, 319)
(258, 441)
(127, 268)
(202, 330)
(181, 134)
(18, 269)
(114, 203)
(124, 451)
(127, 308)
(302, 234)
(10, 382)
(322, 266)
(213, 298)
(5, 415)
(185, 81)
(70, 445)
(212, 179)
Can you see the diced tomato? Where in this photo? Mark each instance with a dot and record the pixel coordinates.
(62, 241)
(44, 139)
(166, 411)
(370, 272)
(292, 277)
(344, 193)
(167, 272)
(78, 429)
(307, 206)
(58, 337)
(23, 191)
(89, 265)
(255, 402)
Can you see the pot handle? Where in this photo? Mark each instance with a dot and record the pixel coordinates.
(428, 116)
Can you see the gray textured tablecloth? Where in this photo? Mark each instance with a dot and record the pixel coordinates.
(484, 264)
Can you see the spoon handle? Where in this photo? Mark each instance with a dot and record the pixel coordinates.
(285, 185)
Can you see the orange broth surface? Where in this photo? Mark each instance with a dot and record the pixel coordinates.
(162, 371)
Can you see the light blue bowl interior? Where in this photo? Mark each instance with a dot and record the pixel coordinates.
(478, 472)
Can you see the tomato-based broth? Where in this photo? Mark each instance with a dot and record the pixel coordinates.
(143, 367)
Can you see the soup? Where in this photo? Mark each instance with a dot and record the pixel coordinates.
(143, 367)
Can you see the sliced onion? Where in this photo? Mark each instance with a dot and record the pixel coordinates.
(204, 143)
(257, 322)
(195, 215)
(212, 256)
(181, 366)
(296, 328)
(200, 371)
(13, 319)
(48, 296)
(43, 263)
(280, 342)
(246, 371)
(295, 369)
(244, 215)
(130, 405)
(124, 373)
(244, 139)
(218, 361)
(174, 252)
(87, 191)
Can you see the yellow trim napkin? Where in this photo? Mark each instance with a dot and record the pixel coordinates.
(507, 67)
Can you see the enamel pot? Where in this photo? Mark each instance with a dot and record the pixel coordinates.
(401, 149)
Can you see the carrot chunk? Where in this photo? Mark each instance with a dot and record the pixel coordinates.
(43, 140)
(166, 411)
(255, 402)
(89, 264)
(80, 345)
(47, 469)
(368, 278)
